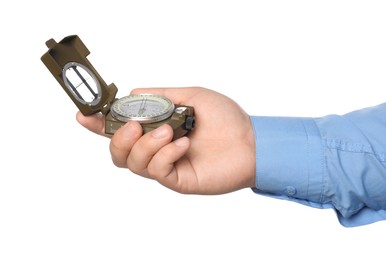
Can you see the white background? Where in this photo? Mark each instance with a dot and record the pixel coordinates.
(62, 198)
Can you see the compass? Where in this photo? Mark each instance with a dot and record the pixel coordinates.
(67, 62)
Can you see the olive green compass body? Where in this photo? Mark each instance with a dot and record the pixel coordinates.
(67, 62)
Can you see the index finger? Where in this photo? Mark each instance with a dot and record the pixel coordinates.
(95, 123)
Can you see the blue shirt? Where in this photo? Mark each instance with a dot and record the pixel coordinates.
(334, 162)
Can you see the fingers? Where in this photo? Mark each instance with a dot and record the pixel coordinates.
(129, 149)
(95, 123)
(144, 150)
(162, 166)
(153, 155)
(123, 141)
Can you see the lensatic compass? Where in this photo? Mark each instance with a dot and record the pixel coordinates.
(67, 62)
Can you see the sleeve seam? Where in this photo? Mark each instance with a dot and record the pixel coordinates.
(322, 167)
(308, 159)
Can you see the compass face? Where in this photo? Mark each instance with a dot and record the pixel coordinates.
(145, 108)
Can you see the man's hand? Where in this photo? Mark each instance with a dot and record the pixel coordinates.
(217, 156)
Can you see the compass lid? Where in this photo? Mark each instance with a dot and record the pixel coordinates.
(67, 62)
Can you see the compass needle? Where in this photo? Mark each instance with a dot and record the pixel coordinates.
(143, 109)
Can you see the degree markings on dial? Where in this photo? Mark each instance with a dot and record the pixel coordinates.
(145, 108)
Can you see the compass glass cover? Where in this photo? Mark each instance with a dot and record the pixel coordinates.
(142, 107)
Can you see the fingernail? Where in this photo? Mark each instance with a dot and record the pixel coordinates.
(181, 142)
(128, 130)
(99, 115)
(160, 132)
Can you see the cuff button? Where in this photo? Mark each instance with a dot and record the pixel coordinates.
(290, 190)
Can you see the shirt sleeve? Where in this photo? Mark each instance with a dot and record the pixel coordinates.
(336, 161)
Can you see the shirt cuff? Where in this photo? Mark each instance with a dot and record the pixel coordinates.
(289, 160)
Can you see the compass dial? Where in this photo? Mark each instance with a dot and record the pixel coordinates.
(145, 108)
